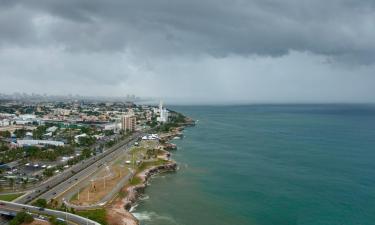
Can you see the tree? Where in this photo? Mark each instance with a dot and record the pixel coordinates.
(86, 153)
(39, 131)
(54, 203)
(3, 147)
(11, 182)
(20, 133)
(20, 218)
(108, 132)
(24, 183)
(86, 141)
(28, 218)
(5, 134)
(48, 172)
(41, 202)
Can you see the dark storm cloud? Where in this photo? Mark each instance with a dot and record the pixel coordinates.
(197, 50)
(342, 29)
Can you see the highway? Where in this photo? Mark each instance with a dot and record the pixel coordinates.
(59, 183)
(68, 217)
(78, 177)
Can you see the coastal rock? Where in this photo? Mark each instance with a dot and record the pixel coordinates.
(134, 192)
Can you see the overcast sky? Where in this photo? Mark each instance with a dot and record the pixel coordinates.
(191, 50)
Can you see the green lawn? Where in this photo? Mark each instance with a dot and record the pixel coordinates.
(98, 215)
(10, 197)
(146, 165)
(135, 181)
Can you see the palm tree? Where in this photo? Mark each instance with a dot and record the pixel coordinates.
(11, 183)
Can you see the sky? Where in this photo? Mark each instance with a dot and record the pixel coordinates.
(192, 51)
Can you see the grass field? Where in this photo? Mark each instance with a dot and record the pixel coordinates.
(146, 165)
(98, 215)
(10, 197)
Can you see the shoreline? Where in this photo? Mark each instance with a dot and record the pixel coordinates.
(119, 209)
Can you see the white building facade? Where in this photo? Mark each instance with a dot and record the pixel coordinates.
(163, 114)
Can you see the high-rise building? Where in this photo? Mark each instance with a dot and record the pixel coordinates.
(128, 122)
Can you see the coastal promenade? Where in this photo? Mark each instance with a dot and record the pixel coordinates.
(107, 198)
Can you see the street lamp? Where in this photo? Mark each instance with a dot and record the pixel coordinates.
(66, 213)
(122, 166)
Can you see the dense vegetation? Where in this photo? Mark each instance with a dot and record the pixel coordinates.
(11, 155)
(86, 141)
(20, 133)
(39, 132)
(5, 134)
(50, 154)
(21, 217)
(40, 202)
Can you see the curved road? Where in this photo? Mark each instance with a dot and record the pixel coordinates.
(69, 217)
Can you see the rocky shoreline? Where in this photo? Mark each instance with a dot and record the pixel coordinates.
(118, 212)
(134, 192)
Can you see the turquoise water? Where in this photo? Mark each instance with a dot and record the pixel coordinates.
(267, 165)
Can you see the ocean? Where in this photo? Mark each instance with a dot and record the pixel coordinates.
(269, 165)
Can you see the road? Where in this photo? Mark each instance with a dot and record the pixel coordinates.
(80, 176)
(69, 217)
(58, 184)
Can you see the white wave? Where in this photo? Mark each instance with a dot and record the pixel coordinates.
(133, 207)
(142, 216)
(152, 216)
(144, 197)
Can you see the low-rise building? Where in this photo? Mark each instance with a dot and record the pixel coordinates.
(77, 137)
(23, 143)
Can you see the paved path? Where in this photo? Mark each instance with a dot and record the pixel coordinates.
(108, 197)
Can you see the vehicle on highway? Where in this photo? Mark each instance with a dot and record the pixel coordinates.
(60, 219)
